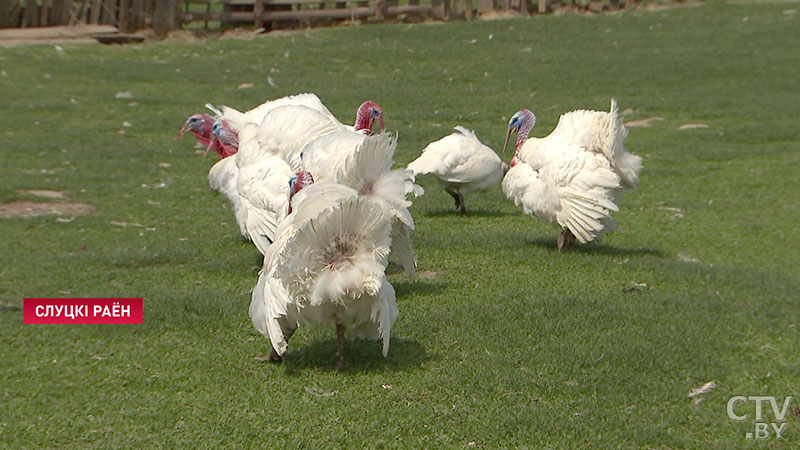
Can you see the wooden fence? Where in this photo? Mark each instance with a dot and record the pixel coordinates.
(126, 15)
(165, 15)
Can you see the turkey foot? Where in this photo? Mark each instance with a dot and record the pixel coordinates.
(459, 199)
(274, 356)
(566, 240)
(340, 362)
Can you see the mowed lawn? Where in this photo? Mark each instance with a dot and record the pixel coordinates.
(502, 341)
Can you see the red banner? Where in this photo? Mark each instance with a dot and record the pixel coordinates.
(82, 310)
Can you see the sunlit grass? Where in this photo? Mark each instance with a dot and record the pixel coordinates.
(504, 342)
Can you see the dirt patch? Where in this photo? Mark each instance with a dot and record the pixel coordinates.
(643, 123)
(44, 193)
(430, 273)
(31, 209)
(692, 126)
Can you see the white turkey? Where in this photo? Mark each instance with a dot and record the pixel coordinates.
(462, 164)
(267, 155)
(573, 176)
(364, 163)
(257, 114)
(327, 265)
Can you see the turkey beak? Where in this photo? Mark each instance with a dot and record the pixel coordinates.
(508, 133)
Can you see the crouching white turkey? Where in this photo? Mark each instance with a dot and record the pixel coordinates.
(327, 265)
(573, 176)
(462, 164)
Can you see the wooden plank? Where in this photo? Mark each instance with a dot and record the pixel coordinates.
(163, 18)
(381, 8)
(44, 11)
(485, 6)
(124, 16)
(109, 15)
(57, 12)
(137, 15)
(94, 18)
(244, 16)
(438, 9)
(349, 13)
(30, 16)
(267, 2)
(5, 13)
(258, 14)
(409, 9)
(542, 6)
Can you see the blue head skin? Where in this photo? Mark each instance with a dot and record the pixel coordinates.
(296, 183)
(522, 121)
(225, 140)
(200, 125)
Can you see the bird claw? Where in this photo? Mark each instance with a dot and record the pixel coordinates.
(566, 241)
(274, 357)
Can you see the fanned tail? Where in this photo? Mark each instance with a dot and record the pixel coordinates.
(402, 248)
(384, 313)
(338, 255)
(627, 164)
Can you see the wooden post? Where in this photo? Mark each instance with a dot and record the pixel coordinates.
(468, 9)
(124, 16)
(485, 6)
(30, 14)
(381, 8)
(437, 9)
(43, 10)
(258, 14)
(137, 6)
(542, 6)
(164, 18)
(56, 11)
(5, 13)
(94, 18)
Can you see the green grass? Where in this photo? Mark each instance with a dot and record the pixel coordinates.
(510, 344)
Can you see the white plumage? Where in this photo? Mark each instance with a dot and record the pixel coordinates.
(286, 129)
(461, 163)
(255, 181)
(257, 114)
(573, 176)
(364, 163)
(326, 156)
(327, 266)
(270, 138)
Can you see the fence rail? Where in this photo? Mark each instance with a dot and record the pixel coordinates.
(165, 15)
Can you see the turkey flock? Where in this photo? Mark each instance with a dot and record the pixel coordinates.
(322, 203)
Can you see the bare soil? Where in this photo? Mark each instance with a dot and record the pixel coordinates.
(32, 209)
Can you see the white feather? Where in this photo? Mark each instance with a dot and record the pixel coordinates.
(460, 162)
(327, 266)
(573, 176)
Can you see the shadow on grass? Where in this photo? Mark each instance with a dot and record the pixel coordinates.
(362, 356)
(595, 248)
(470, 213)
(419, 287)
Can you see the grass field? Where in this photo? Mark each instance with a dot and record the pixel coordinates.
(504, 342)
